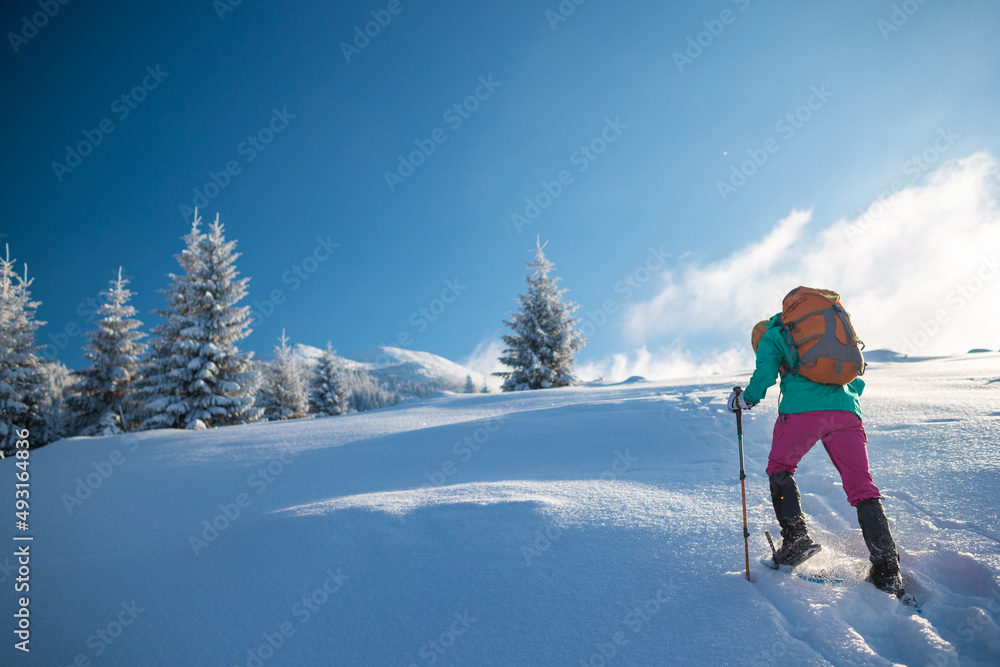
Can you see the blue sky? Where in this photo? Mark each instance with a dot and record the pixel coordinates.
(872, 84)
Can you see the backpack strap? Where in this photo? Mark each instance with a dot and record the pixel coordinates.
(786, 331)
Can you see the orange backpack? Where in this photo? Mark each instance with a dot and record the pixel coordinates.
(825, 347)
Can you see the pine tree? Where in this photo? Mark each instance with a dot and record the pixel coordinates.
(283, 393)
(22, 380)
(469, 388)
(328, 396)
(103, 396)
(195, 375)
(58, 380)
(540, 350)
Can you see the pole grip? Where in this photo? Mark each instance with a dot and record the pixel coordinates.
(739, 413)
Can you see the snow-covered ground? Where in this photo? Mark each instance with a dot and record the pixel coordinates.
(583, 526)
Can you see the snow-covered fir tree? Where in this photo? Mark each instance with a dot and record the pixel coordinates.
(328, 395)
(469, 388)
(540, 350)
(22, 378)
(195, 376)
(282, 393)
(103, 397)
(58, 381)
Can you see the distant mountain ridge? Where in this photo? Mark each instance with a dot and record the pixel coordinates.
(411, 373)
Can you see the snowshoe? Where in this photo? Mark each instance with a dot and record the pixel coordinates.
(822, 576)
(793, 553)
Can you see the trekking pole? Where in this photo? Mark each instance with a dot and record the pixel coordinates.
(743, 484)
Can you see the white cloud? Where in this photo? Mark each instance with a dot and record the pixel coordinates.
(485, 359)
(669, 362)
(722, 293)
(918, 271)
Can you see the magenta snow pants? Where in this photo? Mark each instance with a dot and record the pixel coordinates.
(843, 436)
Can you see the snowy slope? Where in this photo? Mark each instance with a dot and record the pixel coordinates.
(412, 371)
(580, 526)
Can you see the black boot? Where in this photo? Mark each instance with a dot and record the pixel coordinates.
(884, 572)
(796, 545)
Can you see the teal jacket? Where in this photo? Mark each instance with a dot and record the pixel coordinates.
(798, 394)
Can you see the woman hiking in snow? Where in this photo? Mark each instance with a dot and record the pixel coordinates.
(813, 336)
